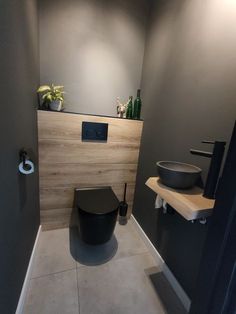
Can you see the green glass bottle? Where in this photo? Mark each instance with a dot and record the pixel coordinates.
(137, 106)
(129, 111)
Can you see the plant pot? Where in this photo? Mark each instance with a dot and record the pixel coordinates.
(56, 105)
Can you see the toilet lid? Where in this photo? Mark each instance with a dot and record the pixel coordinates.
(99, 200)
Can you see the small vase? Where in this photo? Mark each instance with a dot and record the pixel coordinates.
(56, 105)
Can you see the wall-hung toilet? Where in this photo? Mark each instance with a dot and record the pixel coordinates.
(97, 212)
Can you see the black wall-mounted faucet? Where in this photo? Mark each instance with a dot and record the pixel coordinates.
(214, 170)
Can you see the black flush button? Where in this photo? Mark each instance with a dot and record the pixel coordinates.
(93, 131)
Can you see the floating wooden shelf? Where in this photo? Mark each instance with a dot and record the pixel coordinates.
(188, 203)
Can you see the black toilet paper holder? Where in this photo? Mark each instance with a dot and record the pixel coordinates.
(23, 157)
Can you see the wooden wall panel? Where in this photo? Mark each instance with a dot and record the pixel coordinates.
(66, 163)
(68, 127)
(53, 198)
(59, 175)
(74, 151)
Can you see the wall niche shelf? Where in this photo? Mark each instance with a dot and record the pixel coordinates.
(188, 203)
(90, 114)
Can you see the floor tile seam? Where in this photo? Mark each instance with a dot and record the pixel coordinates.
(114, 260)
(147, 251)
(68, 228)
(53, 273)
(57, 229)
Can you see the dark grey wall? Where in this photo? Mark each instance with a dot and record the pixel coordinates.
(94, 48)
(189, 94)
(19, 214)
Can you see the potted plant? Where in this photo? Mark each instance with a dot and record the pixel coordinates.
(52, 97)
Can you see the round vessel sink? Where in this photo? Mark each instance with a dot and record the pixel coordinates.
(178, 175)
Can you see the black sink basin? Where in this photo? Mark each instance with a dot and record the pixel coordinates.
(178, 175)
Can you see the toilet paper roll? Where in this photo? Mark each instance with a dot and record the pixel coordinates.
(26, 171)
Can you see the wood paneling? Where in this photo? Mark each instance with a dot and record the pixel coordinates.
(53, 198)
(71, 175)
(74, 151)
(67, 126)
(66, 163)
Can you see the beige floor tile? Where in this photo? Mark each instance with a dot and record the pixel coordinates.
(129, 241)
(117, 280)
(119, 287)
(125, 242)
(53, 253)
(53, 294)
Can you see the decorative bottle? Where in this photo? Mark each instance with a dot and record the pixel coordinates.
(137, 106)
(129, 111)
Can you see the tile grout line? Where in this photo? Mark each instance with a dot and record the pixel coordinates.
(82, 266)
(57, 272)
(113, 260)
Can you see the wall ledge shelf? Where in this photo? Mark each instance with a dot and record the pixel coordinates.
(188, 203)
(91, 114)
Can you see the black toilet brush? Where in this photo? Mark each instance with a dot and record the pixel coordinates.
(123, 207)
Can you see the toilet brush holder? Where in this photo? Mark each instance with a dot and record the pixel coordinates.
(123, 213)
(123, 208)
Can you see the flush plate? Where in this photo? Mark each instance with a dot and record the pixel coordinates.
(93, 131)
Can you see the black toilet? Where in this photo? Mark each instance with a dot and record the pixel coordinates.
(97, 212)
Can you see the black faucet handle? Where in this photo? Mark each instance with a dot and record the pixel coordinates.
(214, 142)
(208, 142)
(200, 153)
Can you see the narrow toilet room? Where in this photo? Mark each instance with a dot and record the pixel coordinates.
(118, 157)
